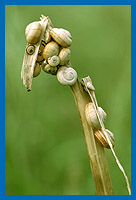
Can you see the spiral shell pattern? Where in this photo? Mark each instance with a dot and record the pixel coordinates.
(33, 32)
(100, 135)
(67, 75)
(91, 115)
(61, 36)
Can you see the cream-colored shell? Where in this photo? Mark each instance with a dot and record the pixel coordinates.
(64, 56)
(102, 114)
(37, 70)
(102, 138)
(67, 75)
(53, 61)
(61, 36)
(51, 49)
(33, 32)
(49, 69)
(91, 115)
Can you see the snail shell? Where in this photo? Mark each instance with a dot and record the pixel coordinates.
(49, 69)
(33, 32)
(64, 56)
(30, 49)
(91, 115)
(67, 75)
(102, 138)
(44, 63)
(61, 36)
(102, 114)
(37, 70)
(51, 49)
(40, 52)
(53, 61)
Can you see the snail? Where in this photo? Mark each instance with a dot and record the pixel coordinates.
(51, 49)
(44, 63)
(100, 135)
(49, 69)
(91, 115)
(33, 32)
(37, 70)
(61, 36)
(53, 61)
(64, 56)
(67, 75)
(30, 49)
(40, 52)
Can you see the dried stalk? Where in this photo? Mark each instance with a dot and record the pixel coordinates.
(95, 150)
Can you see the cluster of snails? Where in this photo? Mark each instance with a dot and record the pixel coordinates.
(93, 121)
(54, 54)
(54, 58)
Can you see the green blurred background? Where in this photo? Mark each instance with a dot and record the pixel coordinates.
(45, 147)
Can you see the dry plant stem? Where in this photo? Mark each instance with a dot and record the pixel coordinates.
(95, 150)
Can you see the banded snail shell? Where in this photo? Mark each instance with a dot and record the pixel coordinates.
(64, 56)
(51, 49)
(100, 135)
(33, 32)
(49, 69)
(91, 115)
(61, 36)
(30, 49)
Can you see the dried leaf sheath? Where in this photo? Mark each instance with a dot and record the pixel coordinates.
(28, 67)
(30, 60)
